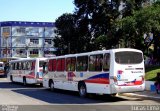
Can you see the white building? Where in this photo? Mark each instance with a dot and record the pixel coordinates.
(27, 39)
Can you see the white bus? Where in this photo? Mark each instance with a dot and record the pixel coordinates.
(101, 72)
(27, 70)
(2, 71)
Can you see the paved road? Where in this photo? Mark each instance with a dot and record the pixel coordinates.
(16, 94)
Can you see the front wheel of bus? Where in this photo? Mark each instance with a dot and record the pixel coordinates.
(11, 78)
(51, 84)
(82, 90)
(24, 81)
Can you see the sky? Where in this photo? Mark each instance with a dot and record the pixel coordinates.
(34, 10)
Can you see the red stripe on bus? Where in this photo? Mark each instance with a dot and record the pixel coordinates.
(98, 80)
(132, 83)
(30, 76)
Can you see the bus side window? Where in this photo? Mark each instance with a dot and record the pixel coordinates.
(82, 63)
(106, 63)
(17, 66)
(95, 62)
(50, 65)
(99, 62)
(54, 64)
(70, 64)
(24, 65)
(28, 64)
(60, 64)
(33, 65)
(13, 66)
(92, 60)
(20, 66)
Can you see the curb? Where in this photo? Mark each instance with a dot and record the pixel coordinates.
(139, 95)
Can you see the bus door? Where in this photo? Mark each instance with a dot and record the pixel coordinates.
(42, 68)
(2, 71)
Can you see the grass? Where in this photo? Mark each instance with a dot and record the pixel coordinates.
(151, 72)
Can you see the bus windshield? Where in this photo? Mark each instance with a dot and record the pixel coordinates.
(128, 57)
(1, 65)
(42, 63)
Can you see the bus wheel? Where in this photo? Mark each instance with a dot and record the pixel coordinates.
(82, 90)
(51, 85)
(24, 81)
(11, 78)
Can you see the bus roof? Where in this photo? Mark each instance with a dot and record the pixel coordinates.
(27, 59)
(96, 52)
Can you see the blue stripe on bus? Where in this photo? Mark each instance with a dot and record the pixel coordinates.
(103, 75)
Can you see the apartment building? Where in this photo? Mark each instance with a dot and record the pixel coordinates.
(27, 39)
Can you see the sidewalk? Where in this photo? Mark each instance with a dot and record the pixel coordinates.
(143, 94)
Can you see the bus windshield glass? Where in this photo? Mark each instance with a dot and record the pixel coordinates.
(1, 65)
(128, 57)
(42, 63)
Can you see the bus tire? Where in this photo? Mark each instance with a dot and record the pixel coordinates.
(51, 85)
(11, 78)
(82, 90)
(24, 81)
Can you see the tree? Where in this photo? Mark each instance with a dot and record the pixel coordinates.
(100, 23)
(99, 18)
(143, 21)
(96, 18)
(71, 38)
(67, 33)
(131, 5)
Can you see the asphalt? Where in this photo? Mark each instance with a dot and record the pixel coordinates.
(143, 94)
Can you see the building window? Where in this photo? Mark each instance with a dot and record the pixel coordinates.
(21, 40)
(20, 51)
(6, 30)
(34, 51)
(49, 32)
(48, 41)
(48, 52)
(4, 42)
(34, 41)
(21, 30)
(32, 31)
(56, 31)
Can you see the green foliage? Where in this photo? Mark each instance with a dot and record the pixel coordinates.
(142, 21)
(66, 41)
(151, 72)
(96, 24)
(97, 18)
